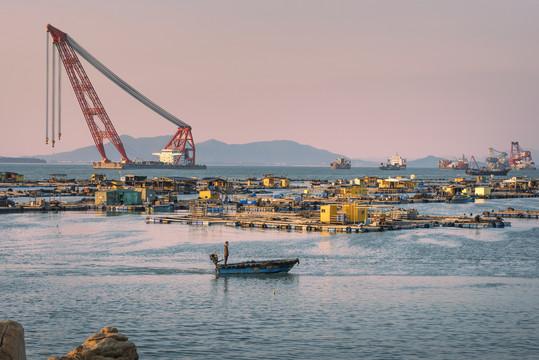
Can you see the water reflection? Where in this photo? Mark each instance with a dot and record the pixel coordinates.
(324, 247)
(248, 283)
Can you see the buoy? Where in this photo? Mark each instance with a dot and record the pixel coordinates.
(274, 293)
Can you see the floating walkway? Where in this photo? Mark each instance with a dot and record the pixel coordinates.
(465, 223)
(519, 214)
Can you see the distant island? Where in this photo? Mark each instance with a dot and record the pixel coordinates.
(21, 160)
(217, 153)
(214, 152)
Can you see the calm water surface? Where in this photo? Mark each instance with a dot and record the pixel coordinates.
(42, 171)
(439, 293)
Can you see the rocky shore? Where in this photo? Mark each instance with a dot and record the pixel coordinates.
(107, 344)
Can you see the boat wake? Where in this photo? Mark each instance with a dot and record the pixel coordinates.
(160, 271)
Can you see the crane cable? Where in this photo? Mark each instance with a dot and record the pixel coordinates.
(53, 141)
(47, 97)
(59, 96)
(122, 84)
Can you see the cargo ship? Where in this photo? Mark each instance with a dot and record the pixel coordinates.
(395, 162)
(459, 164)
(341, 163)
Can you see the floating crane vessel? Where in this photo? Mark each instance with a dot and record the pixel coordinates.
(520, 159)
(486, 170)
(180, 150)
(459, 164)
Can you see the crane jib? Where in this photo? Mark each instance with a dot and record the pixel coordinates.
(181, 146)
(123, 85)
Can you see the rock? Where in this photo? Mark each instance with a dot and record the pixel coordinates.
(108, 344)
(12, 341)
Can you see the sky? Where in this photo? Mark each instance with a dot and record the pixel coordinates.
(365, 79)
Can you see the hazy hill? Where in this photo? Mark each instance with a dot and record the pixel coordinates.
(20, 160)
(426, 162)
(277, 152)
(214, 152)
(140, 148)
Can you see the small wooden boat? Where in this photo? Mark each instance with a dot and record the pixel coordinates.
(459, 199)
(254, 267)
(168, 207)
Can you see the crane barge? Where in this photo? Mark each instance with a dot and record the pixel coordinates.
(520, 159)
(179, 153)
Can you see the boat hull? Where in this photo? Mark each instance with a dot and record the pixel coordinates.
(459, 199)
(257, 267)
(146, 165)
(162, 208)
(453, 167)
(392, 167)
(471, 171)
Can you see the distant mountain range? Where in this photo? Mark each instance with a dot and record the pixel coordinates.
(20, 160)
(214, 152)
(426, 162)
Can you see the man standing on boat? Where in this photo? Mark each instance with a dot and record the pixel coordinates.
(226, 252)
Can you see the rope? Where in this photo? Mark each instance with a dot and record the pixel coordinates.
(123, 85)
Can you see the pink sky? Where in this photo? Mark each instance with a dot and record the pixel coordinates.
(365, 79)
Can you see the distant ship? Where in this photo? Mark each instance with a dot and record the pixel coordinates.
(341, 163)
(492, 168)
(524, 165)
(459, 164)
(520, 159)
(486, 171)
(395, 162)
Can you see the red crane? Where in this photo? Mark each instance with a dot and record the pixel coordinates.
(88, 100)
(182, 141)
(517, 156)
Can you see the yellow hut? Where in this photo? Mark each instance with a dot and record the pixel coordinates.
(355, 213)
(482, 191)
(328, 213)
(208, 195)
(397, 183)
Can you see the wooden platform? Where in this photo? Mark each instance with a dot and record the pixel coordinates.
(425, 222)
(519, 214)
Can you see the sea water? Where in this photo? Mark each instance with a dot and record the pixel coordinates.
(439, 293)
(43, 171)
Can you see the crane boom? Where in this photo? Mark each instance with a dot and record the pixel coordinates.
(86, 95)
(124, 85)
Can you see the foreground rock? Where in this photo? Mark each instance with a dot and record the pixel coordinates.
(108, 344)
(12, 341)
